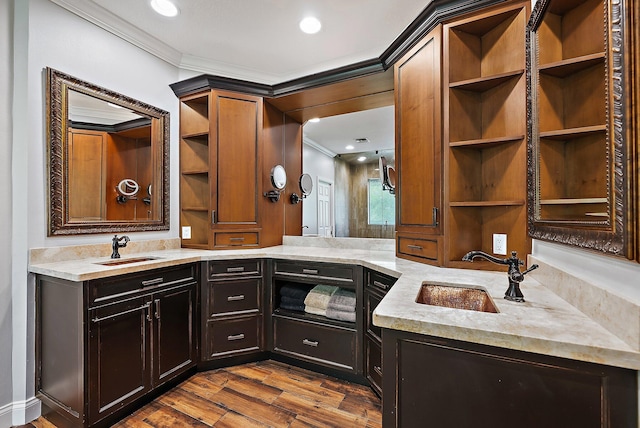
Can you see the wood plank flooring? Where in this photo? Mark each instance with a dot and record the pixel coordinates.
(261, 394)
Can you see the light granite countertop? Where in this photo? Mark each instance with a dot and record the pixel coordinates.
(544, 324)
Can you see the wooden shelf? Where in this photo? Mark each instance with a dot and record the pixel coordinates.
(204, 209)
(570, 66)
(196, 135)
(573, 201)
(482, 84)
(486, 142)
(572, 133)
(475, 204)
(312, 317)
(198, 172)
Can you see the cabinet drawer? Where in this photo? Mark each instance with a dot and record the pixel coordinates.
(423, 248)
(120, 286)
(374, 364)
(379, 281)
(318, 343)
(233, 335)
(231, 268)
(235, 295)
(236, 239)
(328, 272)
(372, 300)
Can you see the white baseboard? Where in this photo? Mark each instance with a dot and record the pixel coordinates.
(19, 412)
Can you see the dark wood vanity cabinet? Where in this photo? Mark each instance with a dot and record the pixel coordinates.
(232, 302)
(315, 339)
(103, 344)
(434, 382)
(376, 287)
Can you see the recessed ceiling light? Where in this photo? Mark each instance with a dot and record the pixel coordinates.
(349, 147)
(362, 158)
(314, 120)
(310, 25)
(164, 7)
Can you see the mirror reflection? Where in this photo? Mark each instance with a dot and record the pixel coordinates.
(342, 155)
(108, 154)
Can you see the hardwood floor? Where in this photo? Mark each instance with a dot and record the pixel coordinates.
(262, 394)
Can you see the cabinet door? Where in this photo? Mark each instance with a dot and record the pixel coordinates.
(418, 137)
(174, 350)
(119, 355)
(236, 122)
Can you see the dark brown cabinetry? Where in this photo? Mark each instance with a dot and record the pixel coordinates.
(321, 341)
(103, 344)
(376, 287)
(581, 133)
(418, 105)
(433, 382)
(232, 302)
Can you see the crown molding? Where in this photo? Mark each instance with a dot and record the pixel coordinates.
(309, 142)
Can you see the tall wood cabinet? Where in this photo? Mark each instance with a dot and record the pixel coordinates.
(461, 152)
(220, 167)
(581, 124)
(418, 151)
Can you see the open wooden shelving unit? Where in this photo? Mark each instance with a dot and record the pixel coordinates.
(484, 133)
(194, 169)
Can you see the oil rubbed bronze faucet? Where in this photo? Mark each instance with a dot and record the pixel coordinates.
(513, 293)
(116, 245)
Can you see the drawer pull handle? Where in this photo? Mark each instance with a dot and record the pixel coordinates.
(236, 239)
(310, 342)
(310, 271)
(415, 247)
(152, 282)
(235, 337)
(157, 311)
(381, 285)
(378, 370)
(235, 298)
(144, 307)
(235, 269)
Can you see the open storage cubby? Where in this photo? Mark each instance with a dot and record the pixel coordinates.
(194, 169)
(485, 128)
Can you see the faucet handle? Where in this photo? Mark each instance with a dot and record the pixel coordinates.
(532, 267)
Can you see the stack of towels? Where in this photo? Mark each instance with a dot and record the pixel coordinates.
(292, 296)
(342, 306)
(317, 300)
(332, 302)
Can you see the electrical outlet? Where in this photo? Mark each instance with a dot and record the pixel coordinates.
(186, 232)
(500, 244)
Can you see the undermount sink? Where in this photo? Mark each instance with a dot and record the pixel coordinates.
(117, 262)
(449, 296)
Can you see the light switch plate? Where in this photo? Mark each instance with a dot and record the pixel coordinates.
(500, 244)
(186, 232)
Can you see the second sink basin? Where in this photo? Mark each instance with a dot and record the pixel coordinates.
(116, 262)
(449, 296)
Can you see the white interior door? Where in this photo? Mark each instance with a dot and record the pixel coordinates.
(325, 208)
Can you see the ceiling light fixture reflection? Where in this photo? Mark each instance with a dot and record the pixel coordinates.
(164, 8)
(349, 147)
(310, 25)
(314, 120)
(362, 158)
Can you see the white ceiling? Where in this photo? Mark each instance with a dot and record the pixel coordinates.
(259, 40)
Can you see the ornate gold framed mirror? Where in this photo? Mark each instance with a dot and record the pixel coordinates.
(98, 139)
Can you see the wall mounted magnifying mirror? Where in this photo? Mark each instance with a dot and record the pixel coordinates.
(306, 186)
(387, 175)
(99, 143)
(278, 181)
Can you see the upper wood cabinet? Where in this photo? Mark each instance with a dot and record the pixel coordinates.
(484, 133)
(581, 121)
(419, 151)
